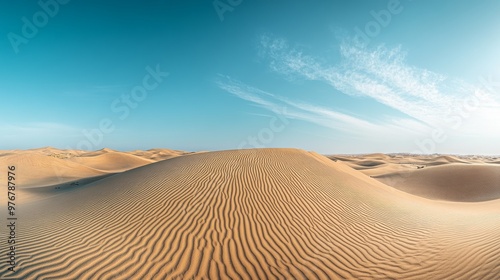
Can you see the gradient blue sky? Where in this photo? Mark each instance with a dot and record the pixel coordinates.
(269, 74)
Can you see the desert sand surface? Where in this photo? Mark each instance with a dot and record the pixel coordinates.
(253, 214)
(438, 177)
(50, 166)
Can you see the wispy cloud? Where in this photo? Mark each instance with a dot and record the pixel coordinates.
(381, 74)
(245, 92)
(318, 115)
(427, 99)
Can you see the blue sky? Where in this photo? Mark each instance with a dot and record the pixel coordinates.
(330, 76)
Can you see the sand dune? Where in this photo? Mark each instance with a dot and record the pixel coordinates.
(50, 166)
(42, 170)
(158, 154)
(252, 214)
(112, 161)
(451, 178)
(449, 182)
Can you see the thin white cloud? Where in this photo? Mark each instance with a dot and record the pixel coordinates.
(316, 114)
(381, 74)
(429, 100)
(247, 93)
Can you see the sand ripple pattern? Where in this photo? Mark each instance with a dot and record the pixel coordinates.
(251, 214)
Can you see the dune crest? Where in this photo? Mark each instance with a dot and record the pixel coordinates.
(111, 161)
(253, 214)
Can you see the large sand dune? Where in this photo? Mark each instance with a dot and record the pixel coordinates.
(251, 214)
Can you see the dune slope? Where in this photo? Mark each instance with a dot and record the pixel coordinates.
(453, 182)
(112, 161)
(40, 170)
(253, 214)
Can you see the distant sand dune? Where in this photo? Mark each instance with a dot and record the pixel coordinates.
(449, 178)
(50, 166)
(158, 154)
(253, 214)
(112, 162)
(449, 182)
(41, 170)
